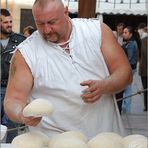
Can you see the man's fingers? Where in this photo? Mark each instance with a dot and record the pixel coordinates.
(31, 121)
(91, 100)
(86, 83)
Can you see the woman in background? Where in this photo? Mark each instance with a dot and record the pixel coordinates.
(130, 46)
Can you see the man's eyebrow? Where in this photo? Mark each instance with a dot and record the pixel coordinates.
(51, 20)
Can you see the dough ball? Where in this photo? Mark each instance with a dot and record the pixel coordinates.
(33, 139)
(73, 134)
(106, 140)
(70, 139)
(65, 142)
(3, 131)
(42, 136)
(38, 108)
(135, 141)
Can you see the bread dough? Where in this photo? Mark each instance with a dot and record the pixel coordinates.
(73, 134)
(135, 141)
(38, 108)
(65, 142)
(33, 139)
(106, 140)
(3, 131)
(70, 139)
(42, 136)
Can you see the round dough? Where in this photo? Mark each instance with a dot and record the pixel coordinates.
(106, 140)
(70, 139)
(42, 136)
(3, 131)
(65, 142)
(38, 108)
(135, 141)
(33, 139)
(72, 134)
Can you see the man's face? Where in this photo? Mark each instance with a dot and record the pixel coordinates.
(51, 22)
(6, 24)
(120, 30)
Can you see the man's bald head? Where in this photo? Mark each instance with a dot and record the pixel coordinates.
(43, 3)
(52, 20)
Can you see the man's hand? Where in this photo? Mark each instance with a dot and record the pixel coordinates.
(93, 92)
(31, 121)
(16, 110)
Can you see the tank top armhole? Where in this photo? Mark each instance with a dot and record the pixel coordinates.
(27, 59)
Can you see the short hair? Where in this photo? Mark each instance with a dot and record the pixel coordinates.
(121, 24)
(5, 12)
(30, 29)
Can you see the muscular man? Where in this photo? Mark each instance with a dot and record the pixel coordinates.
(77, 64)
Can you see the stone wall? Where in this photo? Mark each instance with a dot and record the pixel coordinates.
(15, 8)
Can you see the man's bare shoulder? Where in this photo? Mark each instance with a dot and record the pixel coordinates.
(17, 57)
(18, 61)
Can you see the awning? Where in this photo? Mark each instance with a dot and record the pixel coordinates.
(122, 12)
(110, 7)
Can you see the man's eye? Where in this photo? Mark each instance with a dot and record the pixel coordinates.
(53, 22)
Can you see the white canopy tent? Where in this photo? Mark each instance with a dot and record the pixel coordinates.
(128, 7)
(103, 7)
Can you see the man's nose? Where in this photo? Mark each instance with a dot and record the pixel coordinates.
(47, 28)
(9, 23)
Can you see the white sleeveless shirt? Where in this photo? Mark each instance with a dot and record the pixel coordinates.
(57, 77)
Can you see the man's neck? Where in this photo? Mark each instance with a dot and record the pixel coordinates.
(67, 33)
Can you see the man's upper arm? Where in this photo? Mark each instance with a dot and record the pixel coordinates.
(113, 53)
(20, 79)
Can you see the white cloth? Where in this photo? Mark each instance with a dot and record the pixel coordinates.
(4, 42)
(57, 76)
(142, 33)
(120, 40)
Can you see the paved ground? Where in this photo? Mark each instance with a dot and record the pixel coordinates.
(136, 122)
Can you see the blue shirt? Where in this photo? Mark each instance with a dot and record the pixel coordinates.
(131, 50)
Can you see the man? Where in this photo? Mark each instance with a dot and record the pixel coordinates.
(120, 28)
(119, 32)
(71, 64)
(9, 41)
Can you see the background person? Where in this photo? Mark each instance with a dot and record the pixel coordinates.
(9, 41)
(28, 30)
(130, 47)
(56, 65)
(119, 32)
(142, 30)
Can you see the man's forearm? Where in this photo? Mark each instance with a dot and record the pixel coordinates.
(13, 109)
(117, 81)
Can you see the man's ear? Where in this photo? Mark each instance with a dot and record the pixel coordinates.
(66, 11)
